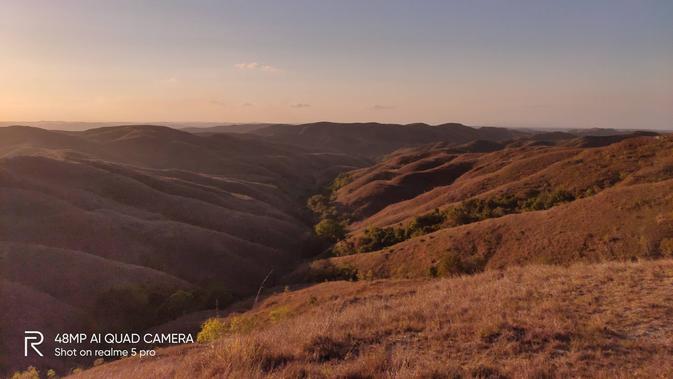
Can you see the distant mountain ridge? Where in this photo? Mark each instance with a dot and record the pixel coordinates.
(374, 139)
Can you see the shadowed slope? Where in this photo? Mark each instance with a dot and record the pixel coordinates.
(374, 139)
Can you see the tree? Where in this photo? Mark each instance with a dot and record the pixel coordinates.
(177, 304)
(330, 229)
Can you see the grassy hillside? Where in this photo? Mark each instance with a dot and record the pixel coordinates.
(134, 228)
(411, 182)
(623, 223)
(607, 320)
(112, 225)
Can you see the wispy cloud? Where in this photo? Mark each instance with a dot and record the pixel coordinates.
(247, 105)
(254, 66)
(170, 81)
(379, 107)
(300, 105)
(219, 103)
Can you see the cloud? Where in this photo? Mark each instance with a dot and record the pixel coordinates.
(379, 107)
(300, 105)
(171, 81)
(218, 103)
(246, 105)
(254, 66)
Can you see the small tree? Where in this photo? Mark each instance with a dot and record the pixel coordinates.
(426, 223)
(378, 238)
(330, 229)
(318, 204)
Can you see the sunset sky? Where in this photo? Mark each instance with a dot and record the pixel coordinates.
(573, 63)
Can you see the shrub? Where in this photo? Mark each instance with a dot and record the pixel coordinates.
(474, 210)
(30, 373)
(330, 229)
(546, 200)
(344, 247)
(433, 271)
(453, 263)
(666, 247)
(378, 238)
(325, 348)
(341, 180)
(332, 272)
(212, 329)
(241, 324)
(426, 223)
(215, 294)
(279, 313)
(128, 307)
(320, 205)
(178, 303)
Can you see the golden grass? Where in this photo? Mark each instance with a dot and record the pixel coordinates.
(612, 320)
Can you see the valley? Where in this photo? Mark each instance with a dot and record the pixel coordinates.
(332, 224)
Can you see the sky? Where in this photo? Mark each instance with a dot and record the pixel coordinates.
(526, 63)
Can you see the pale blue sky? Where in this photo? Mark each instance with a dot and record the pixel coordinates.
(519, 62)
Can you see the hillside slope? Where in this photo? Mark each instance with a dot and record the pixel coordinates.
(108, 224)
(410, 182)
(374, 139)
(616, 204)
(609, 320)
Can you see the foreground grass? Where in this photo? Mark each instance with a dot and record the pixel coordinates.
(608, 320)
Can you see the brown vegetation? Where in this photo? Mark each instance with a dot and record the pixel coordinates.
(608, 320)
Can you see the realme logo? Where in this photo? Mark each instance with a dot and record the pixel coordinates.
(32, 338)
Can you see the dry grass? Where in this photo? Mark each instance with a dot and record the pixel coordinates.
(608, 320)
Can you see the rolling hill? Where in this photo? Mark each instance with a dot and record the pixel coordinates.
(128, 227)
(607, 320)
(616, 205)
(374, 139)
(162, 224)
(117, 219)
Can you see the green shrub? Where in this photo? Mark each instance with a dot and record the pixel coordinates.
(330, 229)
(332, 272)
(321, 206)
(178, 303)
(344, 247)
(127, 308)
(378, 238)
(546, 200)
(341, 180)
(426, 223)
(214, 294)
(474, 210)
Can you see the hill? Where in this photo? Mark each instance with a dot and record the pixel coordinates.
(607, 320)
(374, 139)
(162, 225)
(230, 128)
(410, 182)
(132, 226)
(514, 206)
